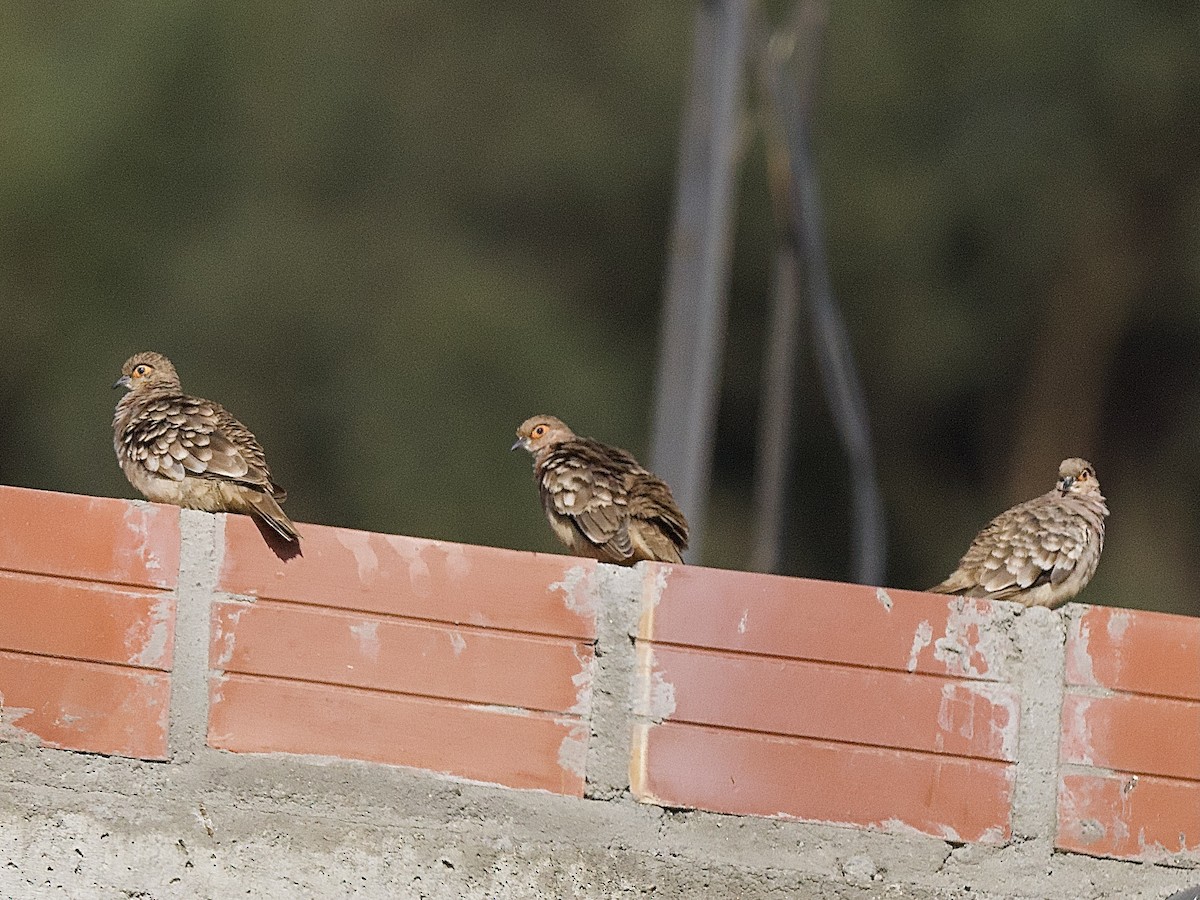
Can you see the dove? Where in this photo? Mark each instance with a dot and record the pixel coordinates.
(599, 501)
(184, 450)
(1042, 552)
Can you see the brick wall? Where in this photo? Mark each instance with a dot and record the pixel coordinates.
(469, 661)
(87, 602)
(757, 695)
(772, 696)
(1130, 784)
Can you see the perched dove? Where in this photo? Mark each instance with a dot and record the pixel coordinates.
(190, 452)
(599, 501)
(1042, 552)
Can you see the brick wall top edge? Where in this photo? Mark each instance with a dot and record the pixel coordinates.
(416, 577)
(805, 618)
(94, 538)
(1135, 651)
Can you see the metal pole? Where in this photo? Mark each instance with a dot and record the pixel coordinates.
(773, 460)
(793, 99)
(693, 329)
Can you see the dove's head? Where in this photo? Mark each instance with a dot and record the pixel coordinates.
(147, 370)
(1076, 476)
(538, 432)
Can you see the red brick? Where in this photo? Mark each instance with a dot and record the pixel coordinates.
(1128, 817)
(512, 748)
(765, 775)
(93, 538)
(86, 621)
(384, 653)
(84, 706)
(820, 620)
(857, 705)
(456, 583)
(1131, 733)
(1141, 652)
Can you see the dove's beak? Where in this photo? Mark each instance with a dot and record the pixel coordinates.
(123, 381)
(1066, 484)
(520, 442)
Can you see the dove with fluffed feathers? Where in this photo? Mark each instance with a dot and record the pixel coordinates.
(1042, 552)
(600, 502)
(190, 452)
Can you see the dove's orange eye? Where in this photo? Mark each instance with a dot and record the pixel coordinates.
(141, 370)
(538, 431)
(1083, 476)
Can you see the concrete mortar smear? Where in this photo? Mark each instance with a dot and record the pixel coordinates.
(273, 826)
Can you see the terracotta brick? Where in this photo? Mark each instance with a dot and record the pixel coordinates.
(513, 748)
(86, 621)
(1131, 733)
(389, 654)
(767, 775)
(84, 706)
(1129, 817)
(456, 583)
(843, 703)
(821, 620)
(93, 538)
(1141, 652)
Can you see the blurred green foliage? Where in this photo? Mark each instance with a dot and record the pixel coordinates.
(383, 234)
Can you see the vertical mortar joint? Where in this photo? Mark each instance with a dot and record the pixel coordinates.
(201, 546)
(1041, 638)
(616, 595)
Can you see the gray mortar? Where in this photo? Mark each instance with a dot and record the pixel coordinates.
(201, 541)
(1041, 635)
(274, 826)
(617, 600)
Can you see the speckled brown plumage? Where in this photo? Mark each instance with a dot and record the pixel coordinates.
(191, 452)
(1042, 552)
(599, 501)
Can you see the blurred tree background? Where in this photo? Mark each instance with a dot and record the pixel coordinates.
(383, 234)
